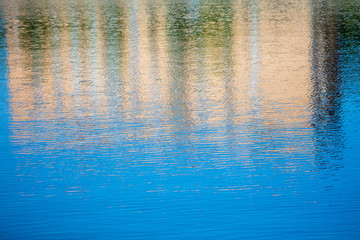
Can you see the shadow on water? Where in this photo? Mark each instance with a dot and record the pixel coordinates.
(326, 93)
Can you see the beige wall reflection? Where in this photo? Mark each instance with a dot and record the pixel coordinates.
(284, 47)
(208, 64)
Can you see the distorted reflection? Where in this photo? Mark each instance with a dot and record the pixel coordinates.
(192, 77)
(326, 87)
(140, 111)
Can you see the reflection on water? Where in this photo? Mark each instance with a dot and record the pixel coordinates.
(326, 86)
(204, 66)
(179, 119)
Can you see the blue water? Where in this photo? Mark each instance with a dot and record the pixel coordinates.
(180, 119)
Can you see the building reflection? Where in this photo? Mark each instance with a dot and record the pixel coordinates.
(231, 73)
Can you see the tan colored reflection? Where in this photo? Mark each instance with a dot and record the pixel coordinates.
(239, 87)
(284, 48)
(210, 64)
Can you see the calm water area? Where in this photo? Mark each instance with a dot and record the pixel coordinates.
(179, 119)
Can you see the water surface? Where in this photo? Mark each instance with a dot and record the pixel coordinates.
(187, 119)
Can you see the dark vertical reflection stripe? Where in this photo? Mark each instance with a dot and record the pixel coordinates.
(326, 81)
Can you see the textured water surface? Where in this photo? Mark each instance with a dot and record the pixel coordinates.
(186, 119)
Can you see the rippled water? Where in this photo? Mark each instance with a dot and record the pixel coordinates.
(186, 119)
